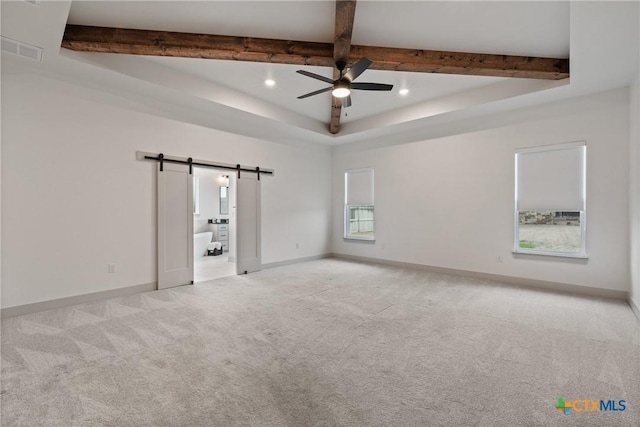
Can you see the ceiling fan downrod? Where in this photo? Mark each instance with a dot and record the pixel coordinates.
(341, 65)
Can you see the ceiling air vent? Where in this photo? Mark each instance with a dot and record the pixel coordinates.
(25, 50)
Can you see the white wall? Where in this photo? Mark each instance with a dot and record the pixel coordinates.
(634, 186)
(1, 96)
(448, 202)
(74, 198)
(634, 190)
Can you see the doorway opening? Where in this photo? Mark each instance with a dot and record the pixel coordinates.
(212, 225)
(177, 208)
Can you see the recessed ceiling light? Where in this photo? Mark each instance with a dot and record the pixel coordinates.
(403, 92)
(270, 82)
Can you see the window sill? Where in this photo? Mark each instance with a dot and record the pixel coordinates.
(551, 254)
(360, 239)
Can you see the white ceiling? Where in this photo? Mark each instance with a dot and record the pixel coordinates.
(394, 24)
(231, 95)
(248, 77)
(510, 28)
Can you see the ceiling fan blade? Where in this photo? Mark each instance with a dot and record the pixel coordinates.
(315, 76)
(371, 86)
(346, 101)
(327, 89)
(358, 68)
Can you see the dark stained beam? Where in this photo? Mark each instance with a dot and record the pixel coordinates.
(476, 64)
(187, 45)
(345, 14)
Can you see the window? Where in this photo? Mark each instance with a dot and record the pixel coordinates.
(358, 202)
(550, 200)
(224, 200)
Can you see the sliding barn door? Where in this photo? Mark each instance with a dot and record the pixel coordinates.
(248, 256)
(175, 225)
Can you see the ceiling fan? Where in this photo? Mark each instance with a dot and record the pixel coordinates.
(342, 87)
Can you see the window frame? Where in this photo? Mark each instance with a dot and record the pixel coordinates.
(346, 211)
(582, 253)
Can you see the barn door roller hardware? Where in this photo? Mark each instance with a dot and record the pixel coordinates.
(162, 159)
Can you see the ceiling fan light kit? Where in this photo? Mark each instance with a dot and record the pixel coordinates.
(341, 89)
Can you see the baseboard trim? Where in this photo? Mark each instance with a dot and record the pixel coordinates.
(634, 307)
(131, 290)
(20, 310)
(295, 261)
(511, 280)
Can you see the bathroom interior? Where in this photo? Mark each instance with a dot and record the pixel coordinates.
(212, 225)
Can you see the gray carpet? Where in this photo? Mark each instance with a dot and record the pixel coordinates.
(324, 343)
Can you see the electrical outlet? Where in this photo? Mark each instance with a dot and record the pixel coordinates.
(498, 258)
(297, 245)
(111, 268)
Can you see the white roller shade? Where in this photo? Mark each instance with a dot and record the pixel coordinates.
(551, 178)
(359, 187)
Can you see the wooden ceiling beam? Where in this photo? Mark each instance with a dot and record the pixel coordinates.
(345, 15)
(187, 45)
(477, 64)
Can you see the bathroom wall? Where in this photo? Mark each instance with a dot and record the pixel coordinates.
(210, 182)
